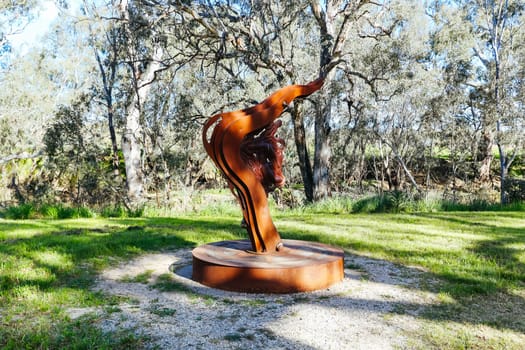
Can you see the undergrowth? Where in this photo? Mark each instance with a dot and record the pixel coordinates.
(209, 203)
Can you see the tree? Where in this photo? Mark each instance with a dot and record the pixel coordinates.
(258, 35)
(489, 35)
(15, 15)
(108, 61)
(143, 68)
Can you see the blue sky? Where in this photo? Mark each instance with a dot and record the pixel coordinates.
(45, 14)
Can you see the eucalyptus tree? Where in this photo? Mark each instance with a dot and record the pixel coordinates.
(483, 40)
(380, 58)
(14, 16)
(130, 42)
(273, 40)
(39, 80)
(106, 40)
(144, 57)
(334, 20)
(499, 27)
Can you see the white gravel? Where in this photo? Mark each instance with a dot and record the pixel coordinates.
(370, 309)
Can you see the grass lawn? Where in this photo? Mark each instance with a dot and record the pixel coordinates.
(474, 260)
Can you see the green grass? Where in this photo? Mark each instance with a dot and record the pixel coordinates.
(143, 278)
(482, 252)
(48, 266)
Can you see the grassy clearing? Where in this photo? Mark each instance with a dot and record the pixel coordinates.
(48, 266)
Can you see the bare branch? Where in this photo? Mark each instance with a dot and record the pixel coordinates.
(23, 155)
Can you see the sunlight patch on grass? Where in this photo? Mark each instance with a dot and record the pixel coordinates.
(14, 229)
(469, 253)
(52, 258)
(399, 236)
(23, 272)
(143, 277)
(459, 336)
(31, 298)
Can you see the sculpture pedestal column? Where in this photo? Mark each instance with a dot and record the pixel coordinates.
(299, 267)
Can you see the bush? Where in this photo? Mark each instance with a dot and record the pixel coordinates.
(19, 212)
(481, 205)
(49, 211)
(515, 190)
(369, 204)
(119, 211)
(391, 202)
(113, 212)
(45, 211)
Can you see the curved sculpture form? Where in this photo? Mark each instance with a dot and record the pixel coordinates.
(244, 147)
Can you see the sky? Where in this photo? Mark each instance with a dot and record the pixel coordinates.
(36, 29)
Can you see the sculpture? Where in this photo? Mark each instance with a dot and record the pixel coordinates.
(244, 147)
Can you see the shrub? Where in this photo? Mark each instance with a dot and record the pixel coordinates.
(113, 212)
(46, 211)
(119, 211)
(19, 212)
(49, 211)
(515, 190)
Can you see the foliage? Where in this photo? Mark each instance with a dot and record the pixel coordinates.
(222, 203)
(48, 211)
(120, 211)
(400, 202)
(76, 162)
(515, 190)
(408, 82)
(22, 211)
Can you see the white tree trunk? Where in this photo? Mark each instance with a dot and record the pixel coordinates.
(133, 133)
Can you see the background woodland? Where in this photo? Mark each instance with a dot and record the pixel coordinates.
(422, 98)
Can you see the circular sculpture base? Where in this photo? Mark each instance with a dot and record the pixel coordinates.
(299, 266)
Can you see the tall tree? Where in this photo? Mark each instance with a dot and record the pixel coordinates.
(264, 37)
(497, 23)
(488, 34)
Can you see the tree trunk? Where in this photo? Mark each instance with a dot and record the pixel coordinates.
(302, 151)
(131, 145)
(114, 144)
(503, 176)
(323, 152)
(505, 164)
(108, 81)
(485, 152)
(131, 151)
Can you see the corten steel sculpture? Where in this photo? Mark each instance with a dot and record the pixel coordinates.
(244, 146)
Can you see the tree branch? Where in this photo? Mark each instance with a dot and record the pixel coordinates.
(23, 155)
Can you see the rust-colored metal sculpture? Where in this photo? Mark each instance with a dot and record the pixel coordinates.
(244, 146)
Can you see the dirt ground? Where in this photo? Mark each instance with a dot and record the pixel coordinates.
(374, 307)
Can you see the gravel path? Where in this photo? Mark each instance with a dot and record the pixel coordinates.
(372, 308)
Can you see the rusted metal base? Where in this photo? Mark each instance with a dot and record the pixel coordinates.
(299, 267)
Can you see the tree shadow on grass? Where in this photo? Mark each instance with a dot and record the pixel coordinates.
(90, 249)
(49, 265)
(480, 295)
(68, 256)
(389, 289)
(497, 249)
